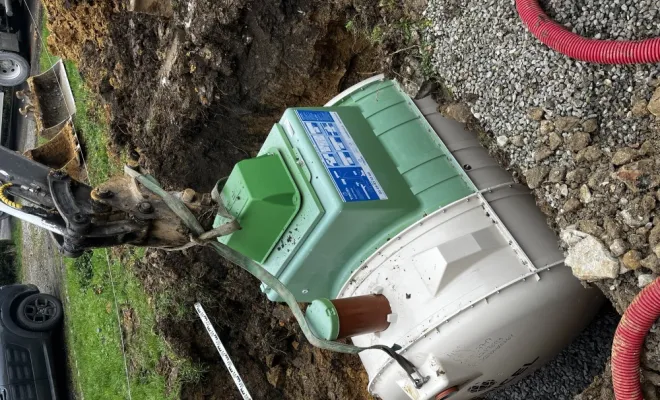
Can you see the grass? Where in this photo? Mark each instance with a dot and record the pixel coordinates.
(44, 56)
(17, 240)
(94, 303)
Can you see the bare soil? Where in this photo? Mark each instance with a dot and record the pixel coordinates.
(188, 97)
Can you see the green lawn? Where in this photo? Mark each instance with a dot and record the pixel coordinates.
(17, 240)
(95, 305)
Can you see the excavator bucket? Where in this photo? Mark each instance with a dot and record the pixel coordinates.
(50, 100)
(161, 8)
(62, 152)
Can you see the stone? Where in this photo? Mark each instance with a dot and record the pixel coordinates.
(632, 259)
(654, 103)
(637, 241)
(656, 250)
(563, 190)
(571, 205)
(590, 227)
(459, 112)
(624, 156)
(590, 125)
(639, 108)
(590, 260)
(535, 176)
(502, 140)
(648, 203)
(566, 124)
(590, 153)
(638, 175)
(518, 141)
(535, 113)
(613, 229)
(647, 148)
(554, 140)
(598, 179)
(578, 141)
(270, 360)
(633, 217)
(542, 153)
(618, 247)
(585, 194)
(557, 174)
(577, 175)
(654, 236)
(546, 127)
(275, 375)
(645, 279)
(651, 263)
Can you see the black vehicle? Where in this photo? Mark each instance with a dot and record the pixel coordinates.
(14, 66)
(27, 318)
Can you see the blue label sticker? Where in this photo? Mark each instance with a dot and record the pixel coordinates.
(343, 160)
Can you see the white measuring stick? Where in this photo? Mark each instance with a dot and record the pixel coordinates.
(223, 352)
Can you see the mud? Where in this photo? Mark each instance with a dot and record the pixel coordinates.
(262, 338)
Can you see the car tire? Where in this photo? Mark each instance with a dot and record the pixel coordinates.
(39, 312)
(14, 69)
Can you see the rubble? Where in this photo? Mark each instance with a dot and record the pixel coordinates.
(590, 260)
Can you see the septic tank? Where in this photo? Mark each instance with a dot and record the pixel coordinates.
(400, 229)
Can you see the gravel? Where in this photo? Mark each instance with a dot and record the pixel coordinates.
(559, 123)
(572, 370)
(488, 59)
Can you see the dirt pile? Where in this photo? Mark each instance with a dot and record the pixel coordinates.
(74, 24)
(265, 344)
(205, 86)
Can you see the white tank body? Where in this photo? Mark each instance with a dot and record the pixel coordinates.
(469, 307)
(479, 292)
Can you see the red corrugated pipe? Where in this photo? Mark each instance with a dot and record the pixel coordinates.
(629, 339)
(575, 46)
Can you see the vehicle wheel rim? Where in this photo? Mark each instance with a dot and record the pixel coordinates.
(9, 69)
(40, 310)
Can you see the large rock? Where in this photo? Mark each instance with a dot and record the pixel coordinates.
(546, 127)
(639, 108)
(651, 263)
(632, 259)
(566, 124)
(554, 140)
(654, 104)
(618, 247)
(535, 113)
(623, 156)
(535, 176)
(590, 153)
(590, 260)
(458, 112)
(542, 153)
(578, 141)
(590, 125)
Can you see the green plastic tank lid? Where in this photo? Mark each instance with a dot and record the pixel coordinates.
(323, 319)
(262, 195)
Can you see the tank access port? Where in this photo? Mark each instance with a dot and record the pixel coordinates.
(348, 317)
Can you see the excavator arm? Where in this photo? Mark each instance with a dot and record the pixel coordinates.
(79, 217)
